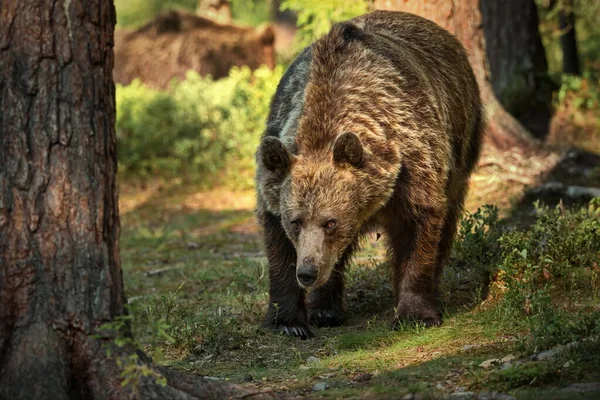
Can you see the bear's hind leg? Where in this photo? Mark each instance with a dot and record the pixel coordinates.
(287, 311)
(326, 303)
(414, 246)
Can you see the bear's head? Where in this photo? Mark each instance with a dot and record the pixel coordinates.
(319, 199)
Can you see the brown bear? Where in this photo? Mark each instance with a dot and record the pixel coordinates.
(376, 125)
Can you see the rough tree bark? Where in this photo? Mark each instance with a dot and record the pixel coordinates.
(517, 62)
(463, 19)
(60, 275)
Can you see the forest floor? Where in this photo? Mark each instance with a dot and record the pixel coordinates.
(196, 280)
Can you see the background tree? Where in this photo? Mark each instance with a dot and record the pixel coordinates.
(568, 37)
(60, 274)
(463, 18)
(517, 61)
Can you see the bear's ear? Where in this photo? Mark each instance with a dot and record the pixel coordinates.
(348, 149)
(274, 156)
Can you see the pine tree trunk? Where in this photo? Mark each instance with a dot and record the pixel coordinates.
(568, 39)
(463, 19)
(60, 275)
(517, 61)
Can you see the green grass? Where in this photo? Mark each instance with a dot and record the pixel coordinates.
(197, 285)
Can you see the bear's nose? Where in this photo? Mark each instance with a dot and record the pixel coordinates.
(307, 273)
(307, 276)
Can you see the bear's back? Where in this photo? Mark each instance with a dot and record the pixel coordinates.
(426, 64)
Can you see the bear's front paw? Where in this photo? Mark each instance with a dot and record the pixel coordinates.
(321, 317)
(416, 308)
(299, 330)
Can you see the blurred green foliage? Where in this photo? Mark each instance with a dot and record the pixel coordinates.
(587, 15)
(251, 12)
(315, 17)
(134, 13)
(583, 93)
(201, 130)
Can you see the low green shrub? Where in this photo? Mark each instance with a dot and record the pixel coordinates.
(583, 93)
(201, 130)
(475, 257)
(549, 271)
(545, 278)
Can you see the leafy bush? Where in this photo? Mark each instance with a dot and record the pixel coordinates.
(546, 269)
(582, 93)
(546, 278)
(475, 257)
(200, 130)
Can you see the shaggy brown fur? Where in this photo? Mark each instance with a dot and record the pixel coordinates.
(379, 123)
(176, 42)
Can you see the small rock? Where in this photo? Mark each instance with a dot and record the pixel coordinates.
(582, 387)
(248, 378)
(462, 396)
(327, 375)
(568, 364)
(312, 360)
(508, 358)
(489, 363)
(546, 355)
(363, 377)
(470, 347)
(320, 386)
(413, 396)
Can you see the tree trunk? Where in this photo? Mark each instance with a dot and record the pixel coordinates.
(287, 17)
(60, 275)
(463, 19)
(568, 38)
(517, 61)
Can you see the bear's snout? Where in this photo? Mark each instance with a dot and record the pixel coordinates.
(307, 272)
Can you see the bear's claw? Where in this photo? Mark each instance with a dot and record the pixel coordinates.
(325, 318)
(302, 332)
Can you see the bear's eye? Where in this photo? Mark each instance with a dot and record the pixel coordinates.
(330, 224)
(295, 225)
